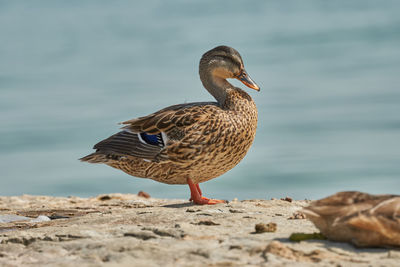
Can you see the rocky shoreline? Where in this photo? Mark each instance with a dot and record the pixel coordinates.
(133, 230)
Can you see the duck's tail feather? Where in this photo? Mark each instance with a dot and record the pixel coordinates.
(96, 158)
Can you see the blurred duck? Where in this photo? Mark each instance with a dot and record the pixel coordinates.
(359, 218)
(194, 142)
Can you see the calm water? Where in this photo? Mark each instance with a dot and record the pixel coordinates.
(329, 106)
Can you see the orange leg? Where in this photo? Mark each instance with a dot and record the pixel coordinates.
(196, 195)
(198, 189)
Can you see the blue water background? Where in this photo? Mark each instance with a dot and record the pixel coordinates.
(329, 106)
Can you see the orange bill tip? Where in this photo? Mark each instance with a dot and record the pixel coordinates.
(246, 80)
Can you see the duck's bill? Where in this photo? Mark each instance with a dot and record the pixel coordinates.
(246, 80)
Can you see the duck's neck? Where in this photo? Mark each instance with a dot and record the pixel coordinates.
(216, 86)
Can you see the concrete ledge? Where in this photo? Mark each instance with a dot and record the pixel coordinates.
(129, 230)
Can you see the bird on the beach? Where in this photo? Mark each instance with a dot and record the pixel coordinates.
(194, 142)
(359, 218)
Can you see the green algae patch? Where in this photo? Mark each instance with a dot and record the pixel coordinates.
(297, 237)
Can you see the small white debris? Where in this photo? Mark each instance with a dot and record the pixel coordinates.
(40, 218)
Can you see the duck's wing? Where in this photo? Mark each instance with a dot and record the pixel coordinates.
(173, 117)
(126, 143)
(146, 137)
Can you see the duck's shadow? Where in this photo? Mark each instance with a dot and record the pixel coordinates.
(179, 205)
(340, 245)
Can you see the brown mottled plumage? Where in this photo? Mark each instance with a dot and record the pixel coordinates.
(195, 141)
(359, 218)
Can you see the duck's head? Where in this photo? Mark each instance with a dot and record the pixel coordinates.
(224, 62)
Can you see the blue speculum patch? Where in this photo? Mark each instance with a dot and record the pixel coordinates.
(150, 138)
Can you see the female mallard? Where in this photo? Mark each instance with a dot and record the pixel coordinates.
(190, 143)
(362, 219)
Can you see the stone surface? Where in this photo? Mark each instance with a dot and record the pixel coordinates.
(128, 230)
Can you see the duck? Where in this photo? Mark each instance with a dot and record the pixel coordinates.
(190, 143)
(359, 218)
